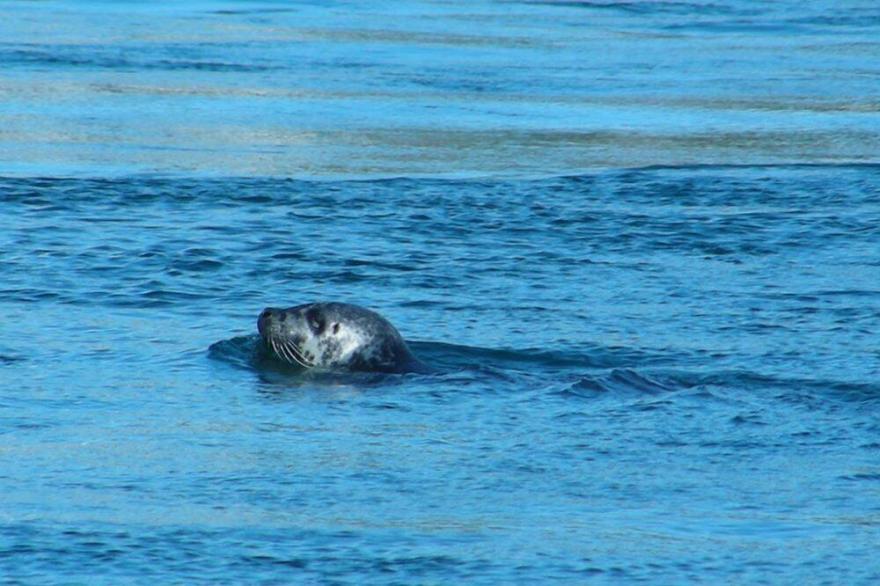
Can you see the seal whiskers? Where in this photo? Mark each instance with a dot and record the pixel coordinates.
(297, 353)
(287, 351)
(284, 352)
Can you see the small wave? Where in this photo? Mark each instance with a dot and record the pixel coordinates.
(454, 355)
(252, 11)
(240, 351)
(639, 7)
(810, 393)
(169, 295)
(798, 390)
(870, 475)
(619, 380)
(59, 56)
(28, 295)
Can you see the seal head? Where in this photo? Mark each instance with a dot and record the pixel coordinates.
(335, 336)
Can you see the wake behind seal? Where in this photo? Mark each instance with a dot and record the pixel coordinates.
(336, 336)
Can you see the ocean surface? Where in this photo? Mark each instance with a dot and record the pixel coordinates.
(638, 242)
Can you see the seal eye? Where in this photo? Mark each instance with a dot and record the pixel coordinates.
(316, 322)
(335, 328)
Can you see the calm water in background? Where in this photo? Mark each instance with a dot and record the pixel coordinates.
(639, 241)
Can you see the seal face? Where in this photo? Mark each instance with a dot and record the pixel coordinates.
(335, 336)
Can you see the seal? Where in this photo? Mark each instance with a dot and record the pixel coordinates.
(336, 336)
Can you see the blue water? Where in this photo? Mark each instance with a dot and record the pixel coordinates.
(638, 242)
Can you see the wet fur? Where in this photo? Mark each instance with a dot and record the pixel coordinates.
(336, 336)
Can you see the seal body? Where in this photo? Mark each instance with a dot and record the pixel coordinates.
(335, 336)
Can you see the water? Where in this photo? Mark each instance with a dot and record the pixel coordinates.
(415, 88)
(638, 242)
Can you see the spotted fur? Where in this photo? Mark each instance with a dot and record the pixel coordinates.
(336, 336)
